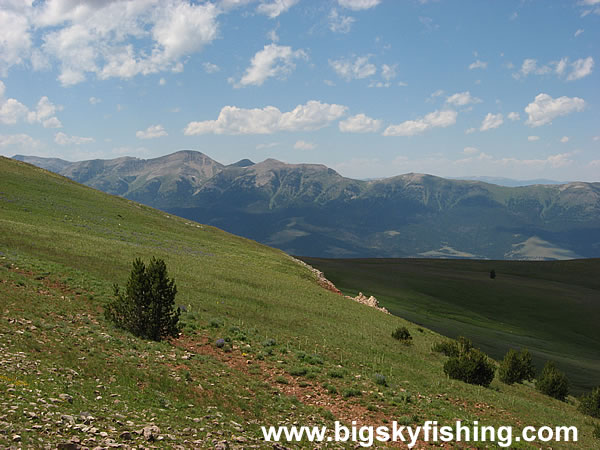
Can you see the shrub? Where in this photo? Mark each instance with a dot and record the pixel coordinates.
(220, 343)
(473, 367)
(402, 334)
(492, 274)
(298, 371)
(269, 342)
(336, 373)
(351, 392)
(516, 367)
(590, 404)
(147, 307)
(553, 382)
(216, 323)
(380, 379)
(453, 348)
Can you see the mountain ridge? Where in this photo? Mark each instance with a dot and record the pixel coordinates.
(310, 209)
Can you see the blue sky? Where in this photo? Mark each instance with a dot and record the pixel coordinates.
(371, 88)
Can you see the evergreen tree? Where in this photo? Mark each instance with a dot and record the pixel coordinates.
(553, 382)
(147, 307)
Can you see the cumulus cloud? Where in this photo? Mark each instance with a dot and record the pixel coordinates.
(358, 68)
(462, 99)
(357, 5)
(360, 123)
(275, 8)
(152, 132)
(533, 138)
(13, 111)
(303, 145)
(478, 65)
(233, 120)
(470, 151)
(116, 38)
(544, 109)
(95, 101)
(514, 116)
(23, 141)
(272, 61)
(564, 139)
(339, 23)
(63, 139)
(434, 119)
(491, 121)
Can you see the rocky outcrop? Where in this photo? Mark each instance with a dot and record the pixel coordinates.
(326, 284)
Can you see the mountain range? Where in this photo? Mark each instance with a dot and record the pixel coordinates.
(310, 209)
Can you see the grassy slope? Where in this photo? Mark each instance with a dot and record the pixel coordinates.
(550, 307)
(62, 246)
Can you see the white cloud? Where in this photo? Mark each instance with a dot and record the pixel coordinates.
(578, 32)
(388, 72)
(533, 138)
(434, 119)
(63, 139)
(94, 100)
(357, 69)
(470, 151)
(13, 111)
(470, 130)
(273, 60)
(303, 145)
(462, 99)
(152, 132)
(478, 65)
(491, 121)
(22, 141)
(564, 139)
(210, 67)
(233, 120)
(162, 82)
(116, 38)
(544, 109)
(276, 7)
(15, 38)
(360, 123)
(514, 116)
(339, 23)
(581, 68)
(357, 5)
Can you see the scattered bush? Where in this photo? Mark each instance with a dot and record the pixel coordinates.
(453, 348)
(281, 380)
(330, 388)
(380, 379)
(298, 371)
(147, 307)
(220, 343)
(216, 322)
(310, 359)
(590, 404)
(553, 382)
(351, 392)
(336, 373)
(269, 343)
(492, 274)
(472, 366)
(402, 334)
(516, 367)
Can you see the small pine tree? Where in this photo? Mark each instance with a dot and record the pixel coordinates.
(472, 366)
(147, 307)
(492, 274)
(590, 404)
(516, 367)
(553, 382)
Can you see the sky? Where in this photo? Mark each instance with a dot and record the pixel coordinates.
(370, 88)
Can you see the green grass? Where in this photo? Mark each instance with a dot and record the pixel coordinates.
(551, 307)
(63, 246)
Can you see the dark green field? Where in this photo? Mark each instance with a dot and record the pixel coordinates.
(550, 307)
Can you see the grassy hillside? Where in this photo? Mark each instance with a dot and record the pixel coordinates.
(550, 307)
(299, 354)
